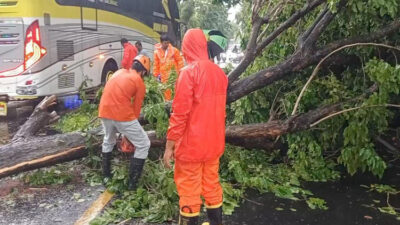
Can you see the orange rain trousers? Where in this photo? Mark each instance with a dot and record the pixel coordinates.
(195, 179)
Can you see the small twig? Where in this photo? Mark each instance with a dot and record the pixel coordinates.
(38, 189)
(122, 222)
(257, 203)
(333, 154)
(351, 109)
(314, 73)
(395, 57)
(91, 121)
(272, 112)
(390, 147)
(388, 202)
(275, 11)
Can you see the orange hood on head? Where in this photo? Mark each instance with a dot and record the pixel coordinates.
(194, 46)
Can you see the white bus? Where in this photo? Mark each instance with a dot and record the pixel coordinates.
(51, 46)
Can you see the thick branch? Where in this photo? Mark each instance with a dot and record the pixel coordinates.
(251, 55)
(309, 41)
(349, 110)
(297, 62)
(287, 24)
(385, 31)
(314, 73)
(39, 118)
(306, 34)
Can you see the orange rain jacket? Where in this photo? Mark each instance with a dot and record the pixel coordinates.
(130, 53)
(122, 96)
(197, 123)
(165, 60)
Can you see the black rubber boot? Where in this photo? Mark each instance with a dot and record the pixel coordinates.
(184, 220)
(107, 165)
(135, 171)
(215, 216)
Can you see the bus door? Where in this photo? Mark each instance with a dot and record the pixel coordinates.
(89, 15)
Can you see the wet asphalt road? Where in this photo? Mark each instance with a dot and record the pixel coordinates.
(46, 206)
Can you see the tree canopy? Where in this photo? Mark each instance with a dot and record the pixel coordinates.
(206, 15)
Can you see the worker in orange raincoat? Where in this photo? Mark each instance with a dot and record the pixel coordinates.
(130, 52)
(119, 110)
(166, 57)
(196, 133)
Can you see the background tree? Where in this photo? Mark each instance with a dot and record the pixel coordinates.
(283, 41)
(206, 15)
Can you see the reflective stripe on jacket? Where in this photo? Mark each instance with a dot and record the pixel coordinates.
(165, 60)
(197, 122)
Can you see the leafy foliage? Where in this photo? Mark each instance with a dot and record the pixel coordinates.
(316, 203)
(80, 120)
(84, 118)
(348, 138)
(53, 176)
(154, 106)
(388, 190)
(156, 199)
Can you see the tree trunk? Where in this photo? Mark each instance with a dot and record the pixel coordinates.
(39, 118)
(45, 151)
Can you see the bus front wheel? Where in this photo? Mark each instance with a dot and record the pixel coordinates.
(108, 70)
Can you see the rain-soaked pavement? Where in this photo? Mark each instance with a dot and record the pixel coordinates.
(48, 205)
(345, 199)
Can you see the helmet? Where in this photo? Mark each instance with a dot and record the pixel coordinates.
(144, 60)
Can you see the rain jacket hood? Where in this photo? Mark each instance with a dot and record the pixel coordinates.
(194, 46)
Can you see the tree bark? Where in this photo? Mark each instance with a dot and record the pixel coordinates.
(299, 61)
(254, 48)
(39, 118)
(45, 151)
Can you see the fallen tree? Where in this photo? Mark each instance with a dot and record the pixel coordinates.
(308, 51)
(27, 152)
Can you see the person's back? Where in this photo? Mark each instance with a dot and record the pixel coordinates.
(119, 111)
(130, 52)
(204, 138)
(196, 133)
(116, 102)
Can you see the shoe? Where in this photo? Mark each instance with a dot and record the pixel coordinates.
(135, 171)
(214, 216)
(188, 220)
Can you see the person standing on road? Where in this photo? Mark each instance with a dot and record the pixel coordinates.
(166, 56)
(196, 133)
(130, 52)
(119, 111)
